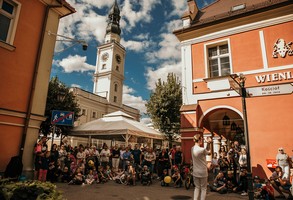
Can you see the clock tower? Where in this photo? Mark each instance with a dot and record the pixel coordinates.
(109, 73)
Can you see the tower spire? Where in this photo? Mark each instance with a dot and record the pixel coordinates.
(113, 20)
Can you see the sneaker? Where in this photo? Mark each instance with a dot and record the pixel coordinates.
(244, 194)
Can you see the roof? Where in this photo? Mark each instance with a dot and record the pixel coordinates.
(223, 9)
(117, 123)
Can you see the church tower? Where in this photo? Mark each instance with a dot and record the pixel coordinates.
(109, 73)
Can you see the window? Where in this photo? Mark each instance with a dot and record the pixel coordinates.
(9, 12)
(115, 99)
(115, 87)
(94, 114)
(117, 68)
(83, 112)
(104, 66)
(219, 60)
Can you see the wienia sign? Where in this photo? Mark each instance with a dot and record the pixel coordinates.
(274, 77)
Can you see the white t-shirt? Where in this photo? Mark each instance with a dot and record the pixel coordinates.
(105, 154)
(200, 169)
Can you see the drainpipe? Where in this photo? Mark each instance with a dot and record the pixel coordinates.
(36, 69)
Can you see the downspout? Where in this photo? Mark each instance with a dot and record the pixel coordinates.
(36, 70)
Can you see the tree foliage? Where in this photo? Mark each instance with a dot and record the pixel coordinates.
(67, 102)
(164, 105)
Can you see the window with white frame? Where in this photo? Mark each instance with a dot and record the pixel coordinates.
(219, 60)
(9, 12)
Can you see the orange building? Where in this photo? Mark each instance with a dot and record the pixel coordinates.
(249, 37)
(26, 53)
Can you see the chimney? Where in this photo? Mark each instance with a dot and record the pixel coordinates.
(190, 14)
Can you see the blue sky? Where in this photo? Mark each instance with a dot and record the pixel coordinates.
(152, 51)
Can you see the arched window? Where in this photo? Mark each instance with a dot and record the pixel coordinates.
(117, 68)
(115, 99)
(115, 87)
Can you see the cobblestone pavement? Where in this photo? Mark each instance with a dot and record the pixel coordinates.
(115, 191)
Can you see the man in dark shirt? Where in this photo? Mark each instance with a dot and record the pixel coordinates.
(136, 153)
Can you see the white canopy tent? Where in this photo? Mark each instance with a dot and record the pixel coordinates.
(116, 126)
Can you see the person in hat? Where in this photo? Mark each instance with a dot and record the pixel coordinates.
(283, 161)
(257, 187)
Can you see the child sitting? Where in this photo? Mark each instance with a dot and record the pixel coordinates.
(108, 172)
(90, 178)
(145, 176)
(65, 175)
(257, 187)
(219, 184)
(177, 178)
(101, 175)
(162, 178)
(268, 191)
(131, 174)
(78, 177)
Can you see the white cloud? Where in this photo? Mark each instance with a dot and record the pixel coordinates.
(75, 63)
(132, 100)
(142, 36)
(136, 46)
(168, 49)
(146, 120)
(75, 85)
(179, 7)
(135, 11)
(152, 75)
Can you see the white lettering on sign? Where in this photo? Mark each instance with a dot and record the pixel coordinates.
(270, 90)
(274, 77)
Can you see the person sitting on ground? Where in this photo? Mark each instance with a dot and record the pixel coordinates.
(78, 177)
(145, 175)
(108, 172)
(90, 178)
(65, 175)
(131, 174)
(231, 182)
(162, 178)
(257, 187)
(219, 184)
(243, 183)
(281, 183)
(101, 175)
(176, 177)
(268, 191)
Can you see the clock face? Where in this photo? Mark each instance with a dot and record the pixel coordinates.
(118, 58)
(105, 56)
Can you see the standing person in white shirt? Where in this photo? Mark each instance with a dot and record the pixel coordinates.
(200, 170)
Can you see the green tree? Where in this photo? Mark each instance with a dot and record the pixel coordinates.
(59, 98)
(164, 105)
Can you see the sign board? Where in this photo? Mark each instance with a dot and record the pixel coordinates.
(234, 85)
(270, 90)
(65, 118)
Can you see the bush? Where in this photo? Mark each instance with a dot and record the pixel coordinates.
(28, 190)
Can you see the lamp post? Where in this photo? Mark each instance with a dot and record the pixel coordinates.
(240, 81)
(60, 98)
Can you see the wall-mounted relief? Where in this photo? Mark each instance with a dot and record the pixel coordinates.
(281, 48)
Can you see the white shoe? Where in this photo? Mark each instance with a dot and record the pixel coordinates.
(244, 194)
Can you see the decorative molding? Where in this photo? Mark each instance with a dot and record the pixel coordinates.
(263, 50)
(13, 124)
(281, 48)
(239, 29)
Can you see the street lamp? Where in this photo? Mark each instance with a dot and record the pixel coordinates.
(68, 39)
(238, 84)
(60, 98)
